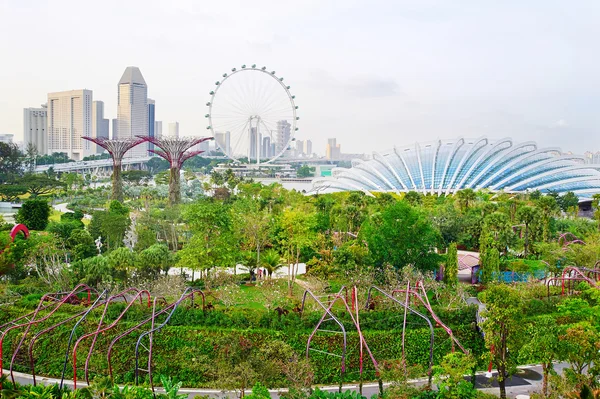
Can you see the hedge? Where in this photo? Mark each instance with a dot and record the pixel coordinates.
(186, 349)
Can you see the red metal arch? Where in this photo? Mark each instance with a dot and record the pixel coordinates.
(19, 228)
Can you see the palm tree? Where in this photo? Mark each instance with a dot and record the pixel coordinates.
(465, 196)
(271, 261)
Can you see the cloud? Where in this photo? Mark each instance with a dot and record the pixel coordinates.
(369, 87)
(560, 123)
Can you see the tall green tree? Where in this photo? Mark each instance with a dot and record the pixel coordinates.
(529, 216)
(543, 345)
(401, 235)
(11, 162)
(548, 208)
(465, 198)
(503, 328)
(451, 269)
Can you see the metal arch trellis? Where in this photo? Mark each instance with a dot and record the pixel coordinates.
(99, 331)
(78, 289)
(422, 297)
(421, 315)
(332, 317)
(188, 293)
(82, 316)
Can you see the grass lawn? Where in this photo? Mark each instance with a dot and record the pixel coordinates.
(55, 216)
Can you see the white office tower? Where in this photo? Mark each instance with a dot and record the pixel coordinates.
(99, 124)
(70, 119)
(266, 148)
(299, 148)
(255, 144)
(35, 122)
(283, 136)
(132, 111)
(174, 129)
(158, 129)
(115, 129)
(223, 142)
(307, 148)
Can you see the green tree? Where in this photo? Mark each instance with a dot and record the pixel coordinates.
(39, 184)
(11, 192)
(135, 176)
(124, 261)
(11, 162)
(489, 259)
(271, 261)
(503, 328)
(542, 346)
(529, 216)
(465, 197)
(497, 226)
(155, 259)
(596, 205)
(451, 269)
(548, 208)
(580, 346)
(401, 235)
(34, 214)
(296, 231)
(414, 198)
(568, 201)
(305, 171)
(449, 376)
(81, 244)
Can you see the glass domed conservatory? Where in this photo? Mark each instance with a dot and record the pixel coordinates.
(445, 166)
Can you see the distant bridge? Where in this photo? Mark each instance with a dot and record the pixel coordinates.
(100, 167)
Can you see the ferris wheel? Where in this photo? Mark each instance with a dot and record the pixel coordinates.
(252, 115)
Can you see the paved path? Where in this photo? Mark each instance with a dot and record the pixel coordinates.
(527, 381)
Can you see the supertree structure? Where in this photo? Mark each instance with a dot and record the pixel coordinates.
(117, 149)
(176, 151)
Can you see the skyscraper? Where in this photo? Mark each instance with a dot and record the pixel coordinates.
(283, 136)
(307, 148)
(299, 148)
(70, 119)
(151, 121)
(332, 150)
(35, 122)
(158, 129)
(132, 111)
(99, 124)
(115, 129)
(223, 142)
(266, 147)
(174, 129)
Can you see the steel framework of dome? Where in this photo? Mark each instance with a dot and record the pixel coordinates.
(446, 166)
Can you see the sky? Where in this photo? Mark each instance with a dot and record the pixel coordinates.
(372, 73)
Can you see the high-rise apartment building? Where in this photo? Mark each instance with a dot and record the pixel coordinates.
(99, 124)
(115, 129)
(223, 142)
(35, 124)
(592, 157)
(151, 121)
(283, 135)
(70, 119)
(158, 129)
(332, 150)
(132, 111)
(174, 129)
(307, 148)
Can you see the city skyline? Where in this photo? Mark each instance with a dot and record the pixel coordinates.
(499, 70)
